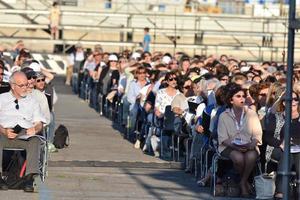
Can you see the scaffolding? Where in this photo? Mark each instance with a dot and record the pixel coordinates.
(253, 38)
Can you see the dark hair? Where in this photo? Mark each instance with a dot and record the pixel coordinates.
(255, 77)
(270, 79)
(231, 89)
(143, 56)
(169, 74)
(146, 29)
(220, 95)
(54, 3)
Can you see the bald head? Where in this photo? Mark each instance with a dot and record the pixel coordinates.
(17, 76)
(19, 84)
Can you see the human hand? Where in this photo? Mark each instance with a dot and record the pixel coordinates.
(158, 113)
(30, 131)
(282, 146)
(177, 110)
(10, 134)
(199, 129)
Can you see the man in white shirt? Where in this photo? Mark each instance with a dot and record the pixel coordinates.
(17, 109)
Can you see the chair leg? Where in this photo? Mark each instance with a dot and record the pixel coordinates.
(173, 148)
(178, 148)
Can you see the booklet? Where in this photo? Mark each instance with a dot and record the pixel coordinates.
(295, 149)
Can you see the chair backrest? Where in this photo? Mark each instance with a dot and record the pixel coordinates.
(169, 118)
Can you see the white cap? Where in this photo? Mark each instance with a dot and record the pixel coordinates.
(203, 71)
(136, 55)
(166, 60)
(35, 66)
(245, 69)
(15, 68)
(112, 57)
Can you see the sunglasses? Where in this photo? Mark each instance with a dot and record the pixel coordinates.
(40, 80)
(187, 87)
(293, 99)
(31, 77)
(2, 74)
(17, 104)
(172, 79)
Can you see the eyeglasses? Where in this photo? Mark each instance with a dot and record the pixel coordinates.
(40, 80)
(21, 85)
(187, 87)
(17, 104)
(172, 79)
(295, 99)
(240, 96)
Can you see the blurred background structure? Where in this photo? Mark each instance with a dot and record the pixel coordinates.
(253, 30)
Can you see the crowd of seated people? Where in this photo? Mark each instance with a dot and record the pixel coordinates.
(26, 108)
(186, 106)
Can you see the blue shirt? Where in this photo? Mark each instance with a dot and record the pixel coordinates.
(146, 42)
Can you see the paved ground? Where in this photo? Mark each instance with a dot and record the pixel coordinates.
(100, 164)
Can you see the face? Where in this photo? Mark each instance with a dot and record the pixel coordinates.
(238, 99)
(31, 83)
(224, 80)
(20, 85)
(187, 86)
(262, 96)
(141, 75)
(147, 58)
(295, 102)
(40, 83)
(1, 74)
(113, 63)
(97, 57)
(185, 65)
(172, 81)
(173, 65)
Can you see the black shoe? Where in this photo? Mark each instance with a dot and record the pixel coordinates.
(28, 186)
(3, 185)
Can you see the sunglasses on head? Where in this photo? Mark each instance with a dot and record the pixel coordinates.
(40, 80)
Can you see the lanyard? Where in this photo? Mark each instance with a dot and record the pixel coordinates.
(238, 126)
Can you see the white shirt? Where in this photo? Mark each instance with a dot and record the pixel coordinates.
(163, 100)
(43, 102)
(78, 57)
(28, 113)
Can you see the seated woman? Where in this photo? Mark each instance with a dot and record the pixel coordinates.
(164, 97)
(274, 138)
(239, 134)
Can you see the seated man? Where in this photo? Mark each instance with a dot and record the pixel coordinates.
(17, 109)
